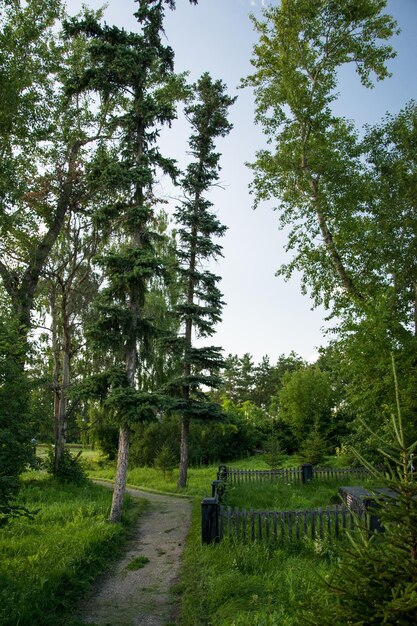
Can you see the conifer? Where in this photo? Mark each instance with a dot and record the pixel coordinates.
(198, 227)
(136, 70)
(376, 578)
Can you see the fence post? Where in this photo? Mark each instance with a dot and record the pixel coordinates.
(307, 472)
(217, 489)
(222, 473)
(210, 520)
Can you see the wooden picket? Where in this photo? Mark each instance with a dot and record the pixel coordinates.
(290, 475)
(281, 526)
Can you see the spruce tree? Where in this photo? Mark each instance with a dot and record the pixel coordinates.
(375, 581)
(200, 307)
(137, 71)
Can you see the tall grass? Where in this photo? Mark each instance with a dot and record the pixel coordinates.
(237, 584)
(280, 496)
(47, 563)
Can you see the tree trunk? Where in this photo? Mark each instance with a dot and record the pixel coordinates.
(185, 422)
(336, 260)
(185, 436)
(56, 353)
(21, 290)
(121, 473)
(124, 432)
(131, 351)
(415, 309)
(331, 248)
(61, 417)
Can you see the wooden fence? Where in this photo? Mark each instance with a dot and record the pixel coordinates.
(293, 475)
(219, 521)
(284, 526)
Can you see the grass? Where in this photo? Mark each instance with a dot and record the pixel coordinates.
(228, 584)
(137, 563)
(236, 584)
(280, 496)
(46, 564)
(199, 480)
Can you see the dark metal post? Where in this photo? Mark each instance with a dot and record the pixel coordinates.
(217, 489)
(307, 473)
(222, 473)
(210, 520)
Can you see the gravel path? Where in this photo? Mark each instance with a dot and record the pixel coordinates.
(142, 597)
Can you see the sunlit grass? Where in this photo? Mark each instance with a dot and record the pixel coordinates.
(46, 563)
(199, 479)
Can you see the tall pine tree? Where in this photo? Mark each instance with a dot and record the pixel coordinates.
(198, 226)
(137, 71)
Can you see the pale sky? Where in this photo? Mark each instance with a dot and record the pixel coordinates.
(263, 314)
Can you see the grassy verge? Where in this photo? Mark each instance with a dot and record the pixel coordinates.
(47, 563)
(199, 480)
(235, 584)
(280, 496)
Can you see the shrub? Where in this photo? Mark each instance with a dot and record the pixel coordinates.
(273, 451)
(313, 449)
(375, 582)
(70, 468)
(165, 460)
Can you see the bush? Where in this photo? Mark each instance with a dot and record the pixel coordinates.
(313, 449)
(375, 582)
(15, 448)
(210, 441)
(165, 460)
(273, 451)
(70, 468)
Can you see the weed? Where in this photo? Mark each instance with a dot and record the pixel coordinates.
(137, 563)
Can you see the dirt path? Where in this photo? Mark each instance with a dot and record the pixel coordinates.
(141, 597)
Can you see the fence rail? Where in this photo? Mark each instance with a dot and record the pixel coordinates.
(284, 526)
(219, 521)
(293, 475)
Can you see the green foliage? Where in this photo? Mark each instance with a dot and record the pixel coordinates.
(165, 460)
(137, 563)
(103, 432)
(315, 169)
(209, 441)
(273, 451)
(136, 71)
(239, 584)
(15, 447)
(375, 582)
(200, 302)
(47, 564)
(245, 381)
(281, 496)
(305, 402)
(70, 468)
(349, 203)
(313, 448)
